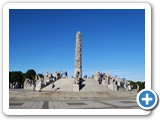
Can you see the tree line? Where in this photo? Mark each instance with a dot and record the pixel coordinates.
(18, 76)
(140, 83)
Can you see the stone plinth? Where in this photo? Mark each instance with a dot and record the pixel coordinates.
(97, 75)
(103, 82)
(28, 84)
(75, 87)
(112, 87)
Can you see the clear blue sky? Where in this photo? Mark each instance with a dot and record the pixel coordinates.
(113, 41)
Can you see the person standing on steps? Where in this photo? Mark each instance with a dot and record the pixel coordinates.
(34, 85)
(53, 86)
(41, 85)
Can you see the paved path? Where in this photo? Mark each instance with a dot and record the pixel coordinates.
(73, 104)
(91, 96)
(22, 99)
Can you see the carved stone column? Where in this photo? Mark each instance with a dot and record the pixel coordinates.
(78, 56)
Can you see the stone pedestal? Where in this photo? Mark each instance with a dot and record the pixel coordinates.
(75, 87)
(103, 82)
(97, 75)
(112, 87)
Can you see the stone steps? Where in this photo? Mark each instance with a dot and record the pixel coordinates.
(63, 84)
(66, 84)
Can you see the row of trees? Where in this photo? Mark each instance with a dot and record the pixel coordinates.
(141, 84)
(18, 76)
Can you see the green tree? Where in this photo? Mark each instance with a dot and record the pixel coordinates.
(134, 84)
(30, 74)
(10, 76)
(16, 76)
(140, 83)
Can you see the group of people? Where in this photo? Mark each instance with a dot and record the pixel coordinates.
(61, 74)
(85, 76)
(15, 85)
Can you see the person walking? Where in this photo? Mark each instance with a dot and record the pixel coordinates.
(41, 85)
(53, 86)
(34, 85)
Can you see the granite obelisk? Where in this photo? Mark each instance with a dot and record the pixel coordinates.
(78, 57)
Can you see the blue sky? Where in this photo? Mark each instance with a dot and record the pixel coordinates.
(113, 41)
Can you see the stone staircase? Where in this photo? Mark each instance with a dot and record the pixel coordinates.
(63, 84)
(66, 84)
